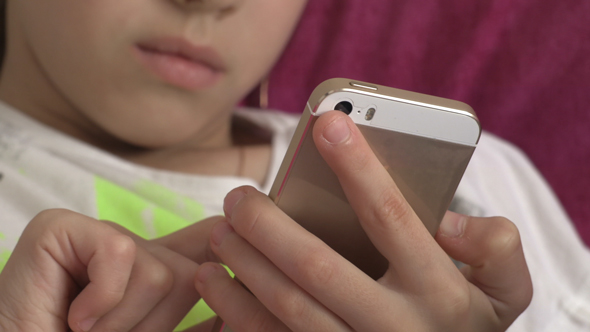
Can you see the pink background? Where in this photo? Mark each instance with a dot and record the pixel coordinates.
(523, 65)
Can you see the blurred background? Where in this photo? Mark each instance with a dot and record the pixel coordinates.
(523, 65)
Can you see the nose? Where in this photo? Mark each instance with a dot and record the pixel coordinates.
(209, 5)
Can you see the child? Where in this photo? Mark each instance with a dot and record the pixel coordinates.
(124, 111)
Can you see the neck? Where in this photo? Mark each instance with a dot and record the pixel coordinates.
(247, 154)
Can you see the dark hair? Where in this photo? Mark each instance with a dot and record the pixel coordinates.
(2, 31)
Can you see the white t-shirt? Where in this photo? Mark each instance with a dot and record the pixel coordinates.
(42, 168)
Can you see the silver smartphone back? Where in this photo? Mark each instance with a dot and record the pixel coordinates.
(424, 142)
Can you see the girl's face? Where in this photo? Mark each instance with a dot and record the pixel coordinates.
(152, 73)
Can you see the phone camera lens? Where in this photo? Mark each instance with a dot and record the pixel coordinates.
(344, 106)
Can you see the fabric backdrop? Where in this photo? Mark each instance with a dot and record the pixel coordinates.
(523, 65)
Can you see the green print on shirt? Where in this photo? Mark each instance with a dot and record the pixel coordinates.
(4, 255)
(151, 211)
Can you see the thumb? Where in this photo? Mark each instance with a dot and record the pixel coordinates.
(492, 250)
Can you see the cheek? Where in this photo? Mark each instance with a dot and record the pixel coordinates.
(69, 35)
(258, 36)
(84, 49)
(75, 46)
(82, 46)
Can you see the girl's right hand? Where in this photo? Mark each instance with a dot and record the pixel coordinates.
(70, 271)
(299, 283)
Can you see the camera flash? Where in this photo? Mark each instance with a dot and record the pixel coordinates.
(370, 114)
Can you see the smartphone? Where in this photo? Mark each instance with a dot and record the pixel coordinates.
(424, 142)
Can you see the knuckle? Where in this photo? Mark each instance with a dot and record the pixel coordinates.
(158, 278)
(504, 239)
(316, 267)
(392, 209)
(121, 246)
(291, 305)
(455, 304)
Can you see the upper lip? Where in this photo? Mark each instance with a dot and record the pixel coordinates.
(183, 48)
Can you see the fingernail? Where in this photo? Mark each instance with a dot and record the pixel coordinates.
(205, 272)
(337, 132)
(231, 200)
(87, 324)
(220, 231)
(453, 225)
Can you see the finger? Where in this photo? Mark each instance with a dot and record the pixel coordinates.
(192, 241)
(164, 306)
(56, 250)
(388, 219)
(107, 255)
(149, 283)
(240, 310)
(180, 299)
(492, 250)
(285, 299)
(309, 262)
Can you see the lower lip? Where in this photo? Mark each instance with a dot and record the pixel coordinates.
(178, 71)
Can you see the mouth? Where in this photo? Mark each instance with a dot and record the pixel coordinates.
(180, 63)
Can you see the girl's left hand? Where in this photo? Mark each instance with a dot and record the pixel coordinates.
(70, 272)
(301, 284)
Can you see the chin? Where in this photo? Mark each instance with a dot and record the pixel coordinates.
(157, 137)
(149, 132)
(157, 118)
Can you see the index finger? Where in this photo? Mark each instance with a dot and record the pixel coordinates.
(192, 241)
(387, 218)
